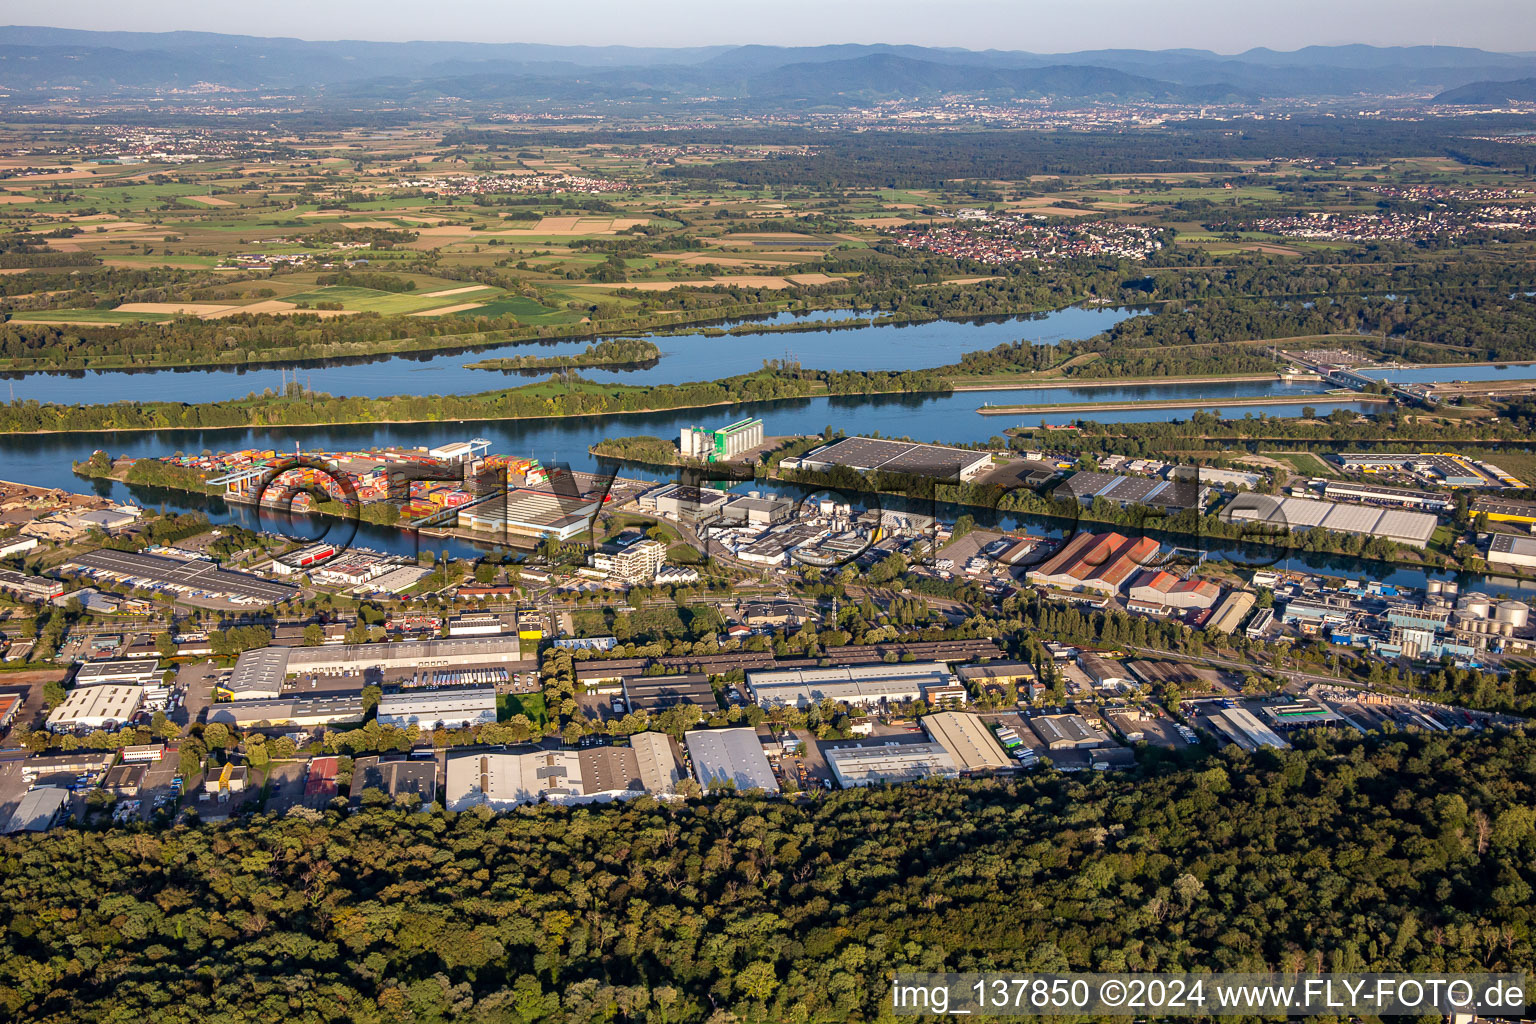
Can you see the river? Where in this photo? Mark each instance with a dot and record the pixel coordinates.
(683, 358)
(47, 459)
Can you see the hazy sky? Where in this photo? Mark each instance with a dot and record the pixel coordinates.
(1226, 26)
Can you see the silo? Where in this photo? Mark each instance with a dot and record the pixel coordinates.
(1514, 613)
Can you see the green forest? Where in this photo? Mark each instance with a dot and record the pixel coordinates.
(1408, 852)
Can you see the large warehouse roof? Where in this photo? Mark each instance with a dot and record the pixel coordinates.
(183, 575)
(967, 739)
(734, 756)
(1399, 525)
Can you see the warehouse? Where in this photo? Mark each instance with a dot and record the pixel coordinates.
(183, 576)
(25, 587)
(657, 763)
(299, 712)
(1066, 732)
(447, 709)
(1170, 495)
(1441, 467)
(395, 777)
(1511, 550)
(522, 512)
(75, 764)
(107, 706)
(655, 694)
(1239, 726)
(1231, 612)
(993, 676)
(1105, 673)
(864, 685)
(685, 503)
(1501, 510)
(38, 811)
(1162, 588)
(117, 670)
(967, 739)
(730, 757)
(1101, 562)
(871, 455)
(1411, 528)
(889, 762)
(1392, 497)
(505, 780)
(260, 673)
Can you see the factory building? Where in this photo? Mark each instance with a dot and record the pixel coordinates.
(304, 712)
(1300, 713)
(862, 685)
(1171, 495)
(395, 777)
(1100, 562)
(1296, 514)
(1159, 587)
(38, 810)
(1239, 726)
(533, 514)
(106, 706)
(1391, 497)
(723, 444)
(889, 763)
(730, 757)
(971, 745)
(876, 455)
(431, 709)
(502, 781)
(1231, 612)
(1501, 510)
(1066, 732)
(1512, 550)
(994, 675)
(683, 502)
(25, 587)
(259, 674)
(655, 694)
(117, 670)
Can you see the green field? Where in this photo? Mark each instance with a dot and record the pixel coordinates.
(525, 309)
(530, 704)
(370, 300)
(94, 316)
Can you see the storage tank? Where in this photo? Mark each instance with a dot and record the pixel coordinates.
(1450, 587)
(1434, 587)
(1475, 606)
(1514, 613)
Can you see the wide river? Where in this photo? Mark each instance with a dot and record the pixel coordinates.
(47, 459)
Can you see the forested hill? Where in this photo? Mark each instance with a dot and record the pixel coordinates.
(1399, 852)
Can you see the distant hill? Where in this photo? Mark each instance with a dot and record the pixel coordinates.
(886, 76)
(1490, 94)
(36, 61)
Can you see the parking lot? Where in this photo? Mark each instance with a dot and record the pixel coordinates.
(196, 683)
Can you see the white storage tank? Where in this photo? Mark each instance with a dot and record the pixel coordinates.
(1514, 613)
(1475, 606)
(1434, 587)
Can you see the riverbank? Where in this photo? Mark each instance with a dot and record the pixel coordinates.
(1047, 383)
(1322, 398)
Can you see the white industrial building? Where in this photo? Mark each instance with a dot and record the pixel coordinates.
(966, 737)
(1512, 550)
(1296, 514)
(105, 706)
(503, 780)
(118, 670)
(259, 674)
(304, 712)
(889, 763)
(863, 685)
(430, 709)
(730, 757)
